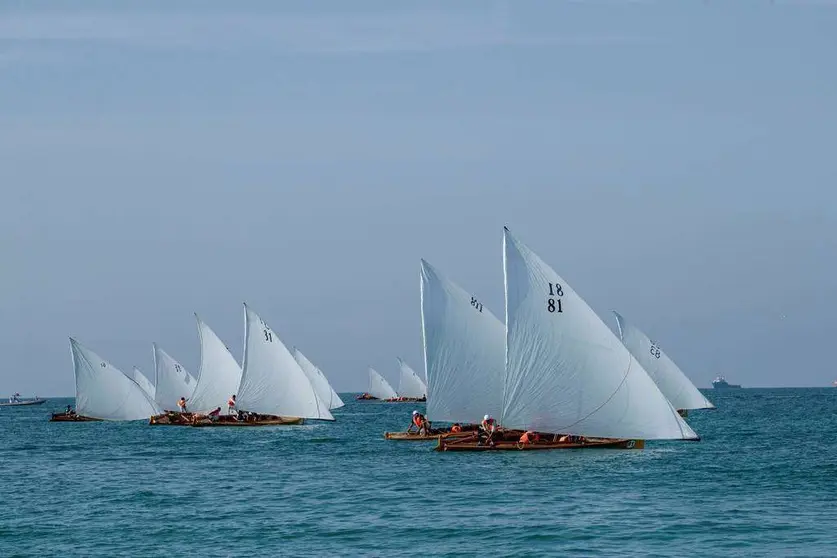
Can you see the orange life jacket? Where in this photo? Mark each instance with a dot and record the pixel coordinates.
(456, 428)
(231, 402)
(488, 424)
(418, 420)
(525, 438)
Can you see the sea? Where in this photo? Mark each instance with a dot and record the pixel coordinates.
(762, 481)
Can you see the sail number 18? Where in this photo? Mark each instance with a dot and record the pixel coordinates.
(553, 303)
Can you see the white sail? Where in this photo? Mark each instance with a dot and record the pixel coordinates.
(105, 392)
(172, 380)
(379, 387)
(143, 382)
(219, 374)
(410, 385)
(324, 390)
(272, 382)
(674, 384)
(566, 371)
(464, 352)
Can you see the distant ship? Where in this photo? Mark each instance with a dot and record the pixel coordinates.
(721, 382)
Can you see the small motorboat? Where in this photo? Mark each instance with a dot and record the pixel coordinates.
(16, 401)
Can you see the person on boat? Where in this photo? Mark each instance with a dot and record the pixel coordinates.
(420, 422)
(456, 428)
(69, 411)
(529, 437)
(181, 404)
(231, 404)
(488, 427)
(488, 424)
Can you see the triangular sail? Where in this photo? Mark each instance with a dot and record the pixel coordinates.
(379, 387)
(410, 385)
(464, 352)
(105, 392)
(272, 382)
(566, 371)
(218, 376)
(323, 388)
(173, 381)
(143, 382)
(674, 384)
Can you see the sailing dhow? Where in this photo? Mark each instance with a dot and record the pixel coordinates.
(671, 380)
(103, 392)
(379, 388)
(567, 377)
(173, 381)
(410, 386)
(274, 389)
(464, 355)
(324, 390)
(218, 378)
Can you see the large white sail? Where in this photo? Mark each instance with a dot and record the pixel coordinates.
(566, 371)
(323, 388)
(464, 352)
(272, 382)
(105, 392)
(410, 385)
(172, 380)
(219, 374)
(379, 387)
(674, 384)
(143, 382)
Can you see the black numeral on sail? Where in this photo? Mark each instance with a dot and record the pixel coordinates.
(476, 304)
(268, 336)
(655, 350)
(553, 303)
(177, 367)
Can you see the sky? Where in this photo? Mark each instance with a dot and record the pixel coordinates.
(674, 161)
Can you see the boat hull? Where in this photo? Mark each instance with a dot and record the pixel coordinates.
(261, 421)
(416, 437)
(171, 418)
(405, 400)
(64, 417)
(472, 444)
(24, 403)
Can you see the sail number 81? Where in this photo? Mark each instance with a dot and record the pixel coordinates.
(553, 303)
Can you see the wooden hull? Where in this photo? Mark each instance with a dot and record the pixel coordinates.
(62, 417)
(171, 418)
(267, 421)
(415, 437)
(366, 397)
(24, 403)
(471, 444)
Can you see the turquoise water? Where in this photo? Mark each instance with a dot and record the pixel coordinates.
(763, 481)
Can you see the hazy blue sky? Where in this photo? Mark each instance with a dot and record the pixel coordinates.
(676, 161)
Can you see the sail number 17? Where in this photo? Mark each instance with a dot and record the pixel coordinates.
(553, 303)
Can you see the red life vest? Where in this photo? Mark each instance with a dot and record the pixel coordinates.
(418, 420)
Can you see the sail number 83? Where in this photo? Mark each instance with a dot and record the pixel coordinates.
(553, 303)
